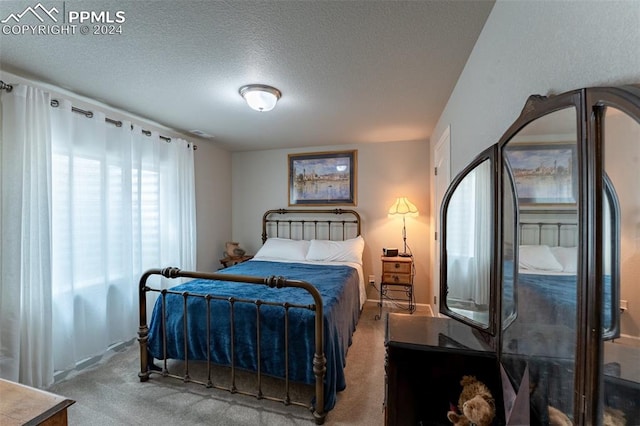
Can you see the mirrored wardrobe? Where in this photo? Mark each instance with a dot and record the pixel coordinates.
(540, 253)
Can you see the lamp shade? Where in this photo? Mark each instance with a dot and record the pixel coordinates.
(260, 97)
(403, 207)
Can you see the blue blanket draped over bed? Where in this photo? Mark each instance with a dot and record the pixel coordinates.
(338, 286)
(557, 297)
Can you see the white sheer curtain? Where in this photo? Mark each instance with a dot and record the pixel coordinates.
(123, 202)
(469, 238)
(483, 235)
(25, 252)
(87, 207)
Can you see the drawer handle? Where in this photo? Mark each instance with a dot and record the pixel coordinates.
(396, 278)
(397, 265)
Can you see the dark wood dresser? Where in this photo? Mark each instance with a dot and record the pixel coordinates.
(426, 359)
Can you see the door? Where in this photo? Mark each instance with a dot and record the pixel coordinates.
(442, 178)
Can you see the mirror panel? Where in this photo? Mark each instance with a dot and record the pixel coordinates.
(542, 161)
(468, 250)
(621, 359)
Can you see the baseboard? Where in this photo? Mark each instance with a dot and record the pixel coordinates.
(627, 339)
(61, 375)
(421, 308)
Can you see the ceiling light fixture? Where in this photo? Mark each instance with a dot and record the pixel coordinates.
(260, 97)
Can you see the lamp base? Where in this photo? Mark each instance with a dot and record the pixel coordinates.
(405, 255)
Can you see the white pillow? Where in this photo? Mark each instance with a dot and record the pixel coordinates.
(337, 251)
(567, 257)
(538, 257)
(283, 249)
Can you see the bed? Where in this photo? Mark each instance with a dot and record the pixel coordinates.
(289, 313)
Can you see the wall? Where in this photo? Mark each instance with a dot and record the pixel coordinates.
(212, 175)
(537, 47)
(385, 171)
(213, 198)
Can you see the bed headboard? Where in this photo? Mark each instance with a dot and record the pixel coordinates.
(549, 228)
(307, 224)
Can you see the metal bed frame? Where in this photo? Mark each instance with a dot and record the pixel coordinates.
(296, 226)
(323, 225)
(554, 234)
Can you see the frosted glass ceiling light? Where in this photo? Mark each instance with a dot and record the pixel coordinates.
(260, 97)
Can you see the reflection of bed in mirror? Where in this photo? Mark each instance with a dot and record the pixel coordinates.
(545, 288)
(547, 272)
(547, 268)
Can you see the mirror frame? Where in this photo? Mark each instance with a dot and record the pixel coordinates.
(515, 230)
(488, 154)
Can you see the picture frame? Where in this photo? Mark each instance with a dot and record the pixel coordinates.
(323, 178)
(545, 174)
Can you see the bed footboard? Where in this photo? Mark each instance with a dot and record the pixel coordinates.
(318, 364)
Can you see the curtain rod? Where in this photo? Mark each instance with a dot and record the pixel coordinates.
(5, 86)
(89, 114)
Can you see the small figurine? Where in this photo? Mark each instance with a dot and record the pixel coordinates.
(232, 249)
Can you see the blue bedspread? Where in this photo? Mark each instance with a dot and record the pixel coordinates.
(338, 286)
(558, 297)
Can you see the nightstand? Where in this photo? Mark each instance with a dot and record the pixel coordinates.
(234, 260)
(397, 277)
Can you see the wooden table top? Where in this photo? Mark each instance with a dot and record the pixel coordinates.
(24, 405)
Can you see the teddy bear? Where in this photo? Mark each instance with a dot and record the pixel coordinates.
(458, 419)
(613, 417)
(476, 404)
(558, 418)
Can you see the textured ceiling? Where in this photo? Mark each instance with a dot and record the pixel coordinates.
(349, 71)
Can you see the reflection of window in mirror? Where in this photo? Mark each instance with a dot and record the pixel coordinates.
(468, 245)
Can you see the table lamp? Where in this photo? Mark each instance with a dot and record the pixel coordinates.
(403, 207)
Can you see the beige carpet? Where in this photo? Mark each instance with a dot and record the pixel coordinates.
(110, 393)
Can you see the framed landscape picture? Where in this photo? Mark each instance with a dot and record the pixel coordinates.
(545, 173)
(323, 178)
